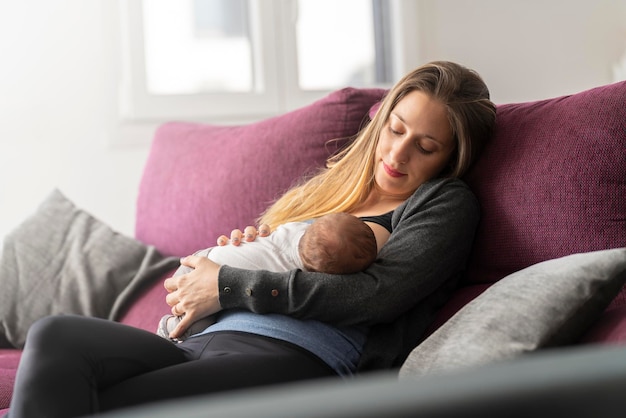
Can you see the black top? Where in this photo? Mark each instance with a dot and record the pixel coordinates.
(382, 220)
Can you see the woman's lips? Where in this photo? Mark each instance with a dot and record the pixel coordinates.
(392, 172)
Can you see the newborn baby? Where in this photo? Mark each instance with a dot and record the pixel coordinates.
(337, 243)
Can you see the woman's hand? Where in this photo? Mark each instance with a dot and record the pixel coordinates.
(195, 294)
(249, 234)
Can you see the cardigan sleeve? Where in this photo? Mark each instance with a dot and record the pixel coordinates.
(431, 241)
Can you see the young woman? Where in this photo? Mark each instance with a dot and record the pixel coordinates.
(280, 327)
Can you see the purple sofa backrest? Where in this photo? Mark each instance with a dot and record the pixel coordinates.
(552, 182)
(202, 181)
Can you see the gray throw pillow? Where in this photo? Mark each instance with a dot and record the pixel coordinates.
(548, 304)
(62, 260)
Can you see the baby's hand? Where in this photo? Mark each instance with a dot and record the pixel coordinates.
(249, 234)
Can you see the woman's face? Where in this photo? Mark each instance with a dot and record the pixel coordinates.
(415, 145)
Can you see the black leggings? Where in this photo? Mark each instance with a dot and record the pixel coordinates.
(75, 366)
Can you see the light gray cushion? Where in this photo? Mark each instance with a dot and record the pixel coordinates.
(62, 260)
(548, 304)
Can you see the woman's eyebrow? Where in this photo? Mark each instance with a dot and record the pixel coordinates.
(428, 136)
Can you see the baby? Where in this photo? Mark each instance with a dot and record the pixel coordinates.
(337, 243)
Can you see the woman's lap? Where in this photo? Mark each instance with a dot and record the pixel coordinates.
(101, 365)
(67, 357)
(218, 362)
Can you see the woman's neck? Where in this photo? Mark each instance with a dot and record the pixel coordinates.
(378, 203)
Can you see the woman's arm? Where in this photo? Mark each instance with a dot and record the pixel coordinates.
(433, 233)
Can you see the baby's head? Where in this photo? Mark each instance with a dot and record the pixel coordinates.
(338, 243)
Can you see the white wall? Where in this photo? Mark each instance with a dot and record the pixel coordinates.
(60, 68)
(59, 73)
(529, 49)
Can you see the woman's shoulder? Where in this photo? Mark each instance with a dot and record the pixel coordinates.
(450, 193)
(450, 188)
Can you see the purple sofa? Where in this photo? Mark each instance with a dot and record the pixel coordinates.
(551, 183)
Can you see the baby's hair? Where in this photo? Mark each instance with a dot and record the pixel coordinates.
(338, 243)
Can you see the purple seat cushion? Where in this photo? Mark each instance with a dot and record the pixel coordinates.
(9, 360)
(611, 328)
(149, 306)
(551, 182)
(202, 181)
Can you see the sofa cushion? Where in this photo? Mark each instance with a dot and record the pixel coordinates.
(9, 359)
(548, 304)
(149, 306)
(611, 328)
(62, 260)
(551, 182)
(202, 181)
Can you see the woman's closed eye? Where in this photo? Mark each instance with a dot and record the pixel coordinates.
(395, 131)
(423, 149)
(423, 143)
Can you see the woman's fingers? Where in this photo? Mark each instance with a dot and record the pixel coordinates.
(235, 237)
(197, 293)
(249, 233)
(264, 230)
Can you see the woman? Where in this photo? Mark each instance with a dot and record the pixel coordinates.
(280, 327)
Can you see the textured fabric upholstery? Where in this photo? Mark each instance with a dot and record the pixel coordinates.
(551, 182)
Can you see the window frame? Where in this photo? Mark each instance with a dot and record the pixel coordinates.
(274, 27)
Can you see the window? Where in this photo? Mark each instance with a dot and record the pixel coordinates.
(342, 53)
(182, 40)
(241, 60)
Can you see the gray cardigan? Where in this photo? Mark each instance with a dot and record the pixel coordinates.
(397, 296)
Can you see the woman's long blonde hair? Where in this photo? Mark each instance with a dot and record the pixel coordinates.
(348, 177)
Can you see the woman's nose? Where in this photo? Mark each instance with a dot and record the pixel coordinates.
(400, 152)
